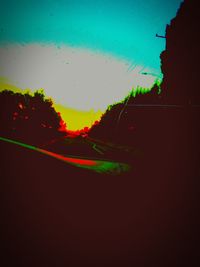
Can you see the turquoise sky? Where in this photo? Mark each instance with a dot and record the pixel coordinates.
(124, 28)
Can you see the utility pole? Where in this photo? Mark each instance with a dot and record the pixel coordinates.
(160, 36)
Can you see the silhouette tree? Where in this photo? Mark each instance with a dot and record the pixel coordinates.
(129, 122)
(29, 118)
(180, 60)
(120, 121)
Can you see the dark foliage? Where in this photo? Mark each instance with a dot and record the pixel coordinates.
(147, 118)
(120, 121)
(31, 119)
(180, 60)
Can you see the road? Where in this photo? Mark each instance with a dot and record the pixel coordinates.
(55, 214)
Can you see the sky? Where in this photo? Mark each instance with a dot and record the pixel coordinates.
(85, 54)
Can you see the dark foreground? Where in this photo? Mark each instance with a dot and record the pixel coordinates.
(55, 214)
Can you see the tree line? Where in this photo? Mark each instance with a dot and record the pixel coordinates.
(29, 118)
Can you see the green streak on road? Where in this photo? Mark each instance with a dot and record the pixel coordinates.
(18, 143)
(100, 166)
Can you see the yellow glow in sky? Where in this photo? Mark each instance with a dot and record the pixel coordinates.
(75, 119)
